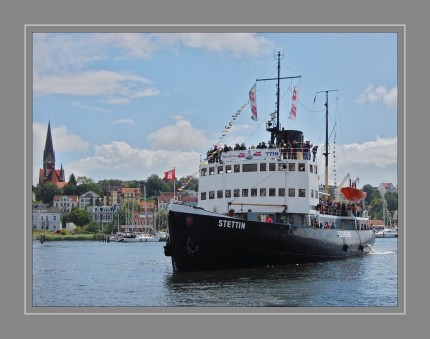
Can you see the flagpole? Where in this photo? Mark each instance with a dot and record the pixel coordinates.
(174, 184)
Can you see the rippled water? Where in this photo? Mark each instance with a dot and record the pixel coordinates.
(89, 273)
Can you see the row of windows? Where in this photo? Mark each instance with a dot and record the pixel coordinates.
(254, 192)
(54, 217)
(254, 168)
(64, 204)
(102, 216)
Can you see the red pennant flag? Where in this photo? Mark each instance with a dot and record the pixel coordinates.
(169, 175)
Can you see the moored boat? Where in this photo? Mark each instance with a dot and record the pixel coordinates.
(387, 232)
(259, 207)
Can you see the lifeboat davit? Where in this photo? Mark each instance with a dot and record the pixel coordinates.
(353, 194)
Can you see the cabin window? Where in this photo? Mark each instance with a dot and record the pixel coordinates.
(311, 168)
(262, 192)
(228, 193)
(302, 192)
(263, 167)
(312, 192)
(253, 192)
(228, 168)
(282, 167)
(244, 192)
(212, 195)
(291, 192)
(301, 167)
(272, 167)
(272, 192)
(249, 168)
(302, 219)
(316, 194)
(292, 166)
(203, 196)
(281, 192)
(236, 168)
(316, 172)
(236, 193)
(203, 172)
(219, 194)
(220, 169)
(211, 170)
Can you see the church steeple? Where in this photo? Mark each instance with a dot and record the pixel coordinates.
(48, 153)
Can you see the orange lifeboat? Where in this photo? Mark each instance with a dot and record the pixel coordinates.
(353, 194)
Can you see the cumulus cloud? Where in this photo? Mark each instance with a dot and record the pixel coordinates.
(180, 136)
(90, 83)
(373, 161)
(237, 44)
(122, 161)
(380, 94)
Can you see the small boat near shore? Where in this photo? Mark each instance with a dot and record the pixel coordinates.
(387, 232)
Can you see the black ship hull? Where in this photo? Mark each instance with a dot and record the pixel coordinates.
(201, 240)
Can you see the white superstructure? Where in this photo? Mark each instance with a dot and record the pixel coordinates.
(258, 181)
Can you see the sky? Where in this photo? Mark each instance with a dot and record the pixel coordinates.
(129, 105)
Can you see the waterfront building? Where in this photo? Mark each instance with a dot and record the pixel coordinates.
(46, 218)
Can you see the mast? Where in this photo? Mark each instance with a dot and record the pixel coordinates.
(326, 153)
(274, 129)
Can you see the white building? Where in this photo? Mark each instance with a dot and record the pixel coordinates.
(386, 187)
(65, 203)
(46, 218)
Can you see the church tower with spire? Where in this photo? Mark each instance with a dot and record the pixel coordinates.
(48, 173)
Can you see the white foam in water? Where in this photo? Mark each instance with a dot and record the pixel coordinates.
(373, 251)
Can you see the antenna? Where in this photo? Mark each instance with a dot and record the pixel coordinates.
(271, 126)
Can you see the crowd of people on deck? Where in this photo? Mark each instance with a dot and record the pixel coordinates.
(340, 208)
(289, 150)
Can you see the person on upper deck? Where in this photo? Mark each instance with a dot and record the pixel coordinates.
(314, 151)
(307, 150)
(283, 147)
(294, 149)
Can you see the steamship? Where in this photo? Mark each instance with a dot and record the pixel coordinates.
(264, 207)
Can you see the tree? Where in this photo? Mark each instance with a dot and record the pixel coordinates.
(154, 185)
(392, 201)
(85, 184)
(376, 209)
(372, 194)
(80, 217)
(72, 180)
(93, 227)
(47, 191)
